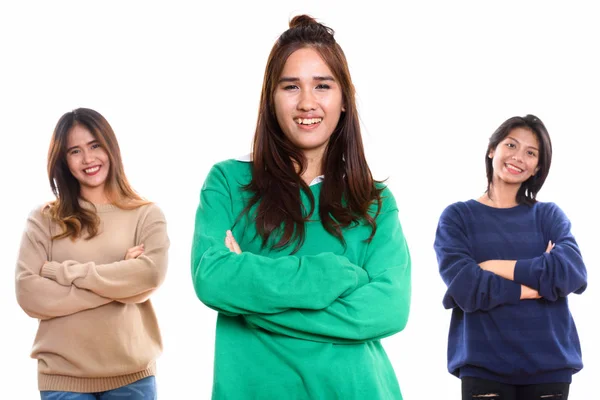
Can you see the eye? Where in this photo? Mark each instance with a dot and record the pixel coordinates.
(290, 87)
(531, 153)
(511, 145)
(95, 146)
(323, 86)
(74, 151)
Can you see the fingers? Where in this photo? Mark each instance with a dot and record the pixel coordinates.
(529, 293)
(231, 243)
(134, 252)
(550, 246)
(228, 243)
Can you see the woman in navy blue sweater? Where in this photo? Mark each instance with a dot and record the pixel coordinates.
(510, 262)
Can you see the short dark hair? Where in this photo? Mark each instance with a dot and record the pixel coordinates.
(529, 189)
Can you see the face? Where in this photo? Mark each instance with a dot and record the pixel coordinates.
(87, 160)
(516, 157)
(308, 101)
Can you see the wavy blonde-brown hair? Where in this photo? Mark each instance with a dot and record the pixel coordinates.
(67, 210)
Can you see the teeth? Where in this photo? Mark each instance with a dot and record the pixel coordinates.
(91, 170)
(514, 168)
(308, 121)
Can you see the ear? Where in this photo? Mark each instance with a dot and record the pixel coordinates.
(491, 153)
(343, 109)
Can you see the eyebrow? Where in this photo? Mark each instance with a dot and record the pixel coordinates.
(529, 147)
(87, 144)
(315, 78)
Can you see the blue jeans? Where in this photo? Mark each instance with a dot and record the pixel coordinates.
(144, 389)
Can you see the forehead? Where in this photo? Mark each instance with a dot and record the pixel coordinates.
(305, 62)
(524, 136)
(79, 135)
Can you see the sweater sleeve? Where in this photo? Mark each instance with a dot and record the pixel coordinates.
(373, 311)
(470, 288)
(559, 272)
(249, 283)
(40, 297)
(126, 281)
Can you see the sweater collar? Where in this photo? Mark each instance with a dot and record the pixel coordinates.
(97, 207)
(248, 158)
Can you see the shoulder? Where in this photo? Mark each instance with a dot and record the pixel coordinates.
(41, 212)
(229, 173)
(39, 218)
(388, 201)
(459, 209)
(232, 168)
(150, 213)
(546, 206)
(235, 165)
(549, 211)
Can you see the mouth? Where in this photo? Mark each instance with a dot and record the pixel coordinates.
(308, 121)
(512, 169)
(92, 170)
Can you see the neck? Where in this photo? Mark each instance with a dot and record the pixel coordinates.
(501, 195)
(314, 165)
(94, 195)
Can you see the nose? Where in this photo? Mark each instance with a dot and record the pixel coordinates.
(87, 157)
(307, 101)
(518, 156)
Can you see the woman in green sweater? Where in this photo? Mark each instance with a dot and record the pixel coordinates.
(297, 247)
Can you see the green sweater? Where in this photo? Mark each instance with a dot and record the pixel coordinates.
(302, 326)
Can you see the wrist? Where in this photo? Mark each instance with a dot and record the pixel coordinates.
(50, 270)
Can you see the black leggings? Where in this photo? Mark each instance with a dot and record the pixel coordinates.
(475, 388)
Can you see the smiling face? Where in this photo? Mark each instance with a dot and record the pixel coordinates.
(516, 157)
(88, 162)
(308, 102)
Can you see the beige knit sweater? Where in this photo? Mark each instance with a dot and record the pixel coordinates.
(97, 328)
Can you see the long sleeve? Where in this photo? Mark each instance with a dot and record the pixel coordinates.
(40, 297)
(559, 272)
(373, 311)
(249, 283)
(126, 281)
(469, 287)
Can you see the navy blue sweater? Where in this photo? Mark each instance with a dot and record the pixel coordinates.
(493, 334)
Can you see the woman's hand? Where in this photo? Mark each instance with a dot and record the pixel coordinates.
(134, 252)
(528, 293)
(506, 268)
(231, 243)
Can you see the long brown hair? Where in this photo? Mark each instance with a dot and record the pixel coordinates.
(66, 210)
(348, 189)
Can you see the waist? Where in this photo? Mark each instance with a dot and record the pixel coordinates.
(113, 340)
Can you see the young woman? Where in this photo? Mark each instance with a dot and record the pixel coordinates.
(510, 262)
(297, 247)
(87, 266)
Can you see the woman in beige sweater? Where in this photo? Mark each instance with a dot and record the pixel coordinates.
(88, 263)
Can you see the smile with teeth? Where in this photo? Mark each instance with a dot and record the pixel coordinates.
(513, 168)
(308, 121)
(92, 169)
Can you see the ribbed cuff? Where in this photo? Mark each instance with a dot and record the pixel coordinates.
(525, 274)
(50, 269)
(513, 293)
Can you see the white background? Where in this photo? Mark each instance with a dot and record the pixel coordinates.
(180, 83)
